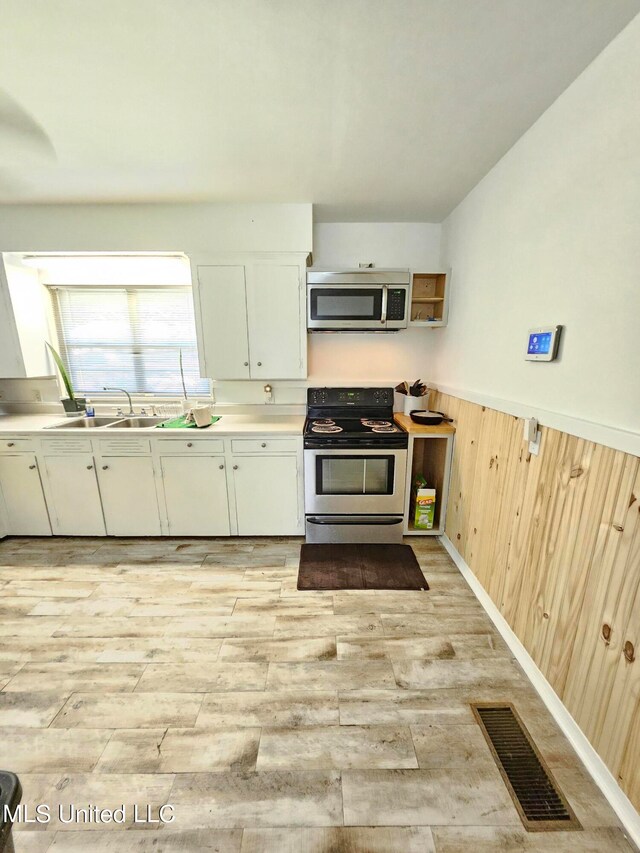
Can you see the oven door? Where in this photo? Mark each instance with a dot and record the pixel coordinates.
(343, 306)
(354, 482)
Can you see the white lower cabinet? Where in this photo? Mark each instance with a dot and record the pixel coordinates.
(267, 495)
(195, 493)
(129, 498)
(73, 496)
(25, 510)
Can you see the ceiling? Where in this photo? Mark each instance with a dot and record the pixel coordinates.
(379, 110)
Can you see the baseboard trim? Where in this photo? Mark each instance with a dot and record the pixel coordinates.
(598, 770)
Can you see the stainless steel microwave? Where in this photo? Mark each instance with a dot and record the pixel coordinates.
(362, 300)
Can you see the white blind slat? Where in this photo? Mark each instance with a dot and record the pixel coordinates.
(129, 337)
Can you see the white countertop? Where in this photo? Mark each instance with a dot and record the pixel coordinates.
(227, 425)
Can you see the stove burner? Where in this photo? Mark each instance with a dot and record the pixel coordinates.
(385, 429)
(370, 422)
(323, 422)
(326, 428)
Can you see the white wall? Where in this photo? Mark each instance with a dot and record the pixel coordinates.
(374, 358)
(552, 235)
(156, 227)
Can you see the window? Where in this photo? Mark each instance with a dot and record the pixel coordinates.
(128, 337)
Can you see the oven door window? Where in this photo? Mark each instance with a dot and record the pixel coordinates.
(344, 303)
(354, 475)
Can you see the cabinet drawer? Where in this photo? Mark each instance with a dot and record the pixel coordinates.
(11, 445)
(66, 445)
(265, 445)
(188, 445)
(119, 446)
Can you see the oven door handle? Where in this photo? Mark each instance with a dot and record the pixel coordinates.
(385, 296)
(333, 520)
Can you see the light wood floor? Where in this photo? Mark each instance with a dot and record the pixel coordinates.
(192, 672)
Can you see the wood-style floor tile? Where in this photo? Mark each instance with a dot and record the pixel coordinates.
(399, 648)
(50, 750)
(316, 626)
(129, 710)
(336, 747)
(166, 841)
(286, 709)
(426, 797)
(330, 675)
(75, 677)
(32, 709)
(494, 839)
(180, 750)
(340, 839)
(451, 746)
(403, 707)
(108, 791)
(268, 798)
(316, 648)
(196, 678)
(439, 674)
(222, 626)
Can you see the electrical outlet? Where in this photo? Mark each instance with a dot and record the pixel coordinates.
(534, 446)
(37, 396)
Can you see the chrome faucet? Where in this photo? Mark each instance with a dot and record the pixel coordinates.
(124, 391)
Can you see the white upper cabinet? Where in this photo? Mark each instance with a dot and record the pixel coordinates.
(251, 316)
(23, 323)
(221, 312)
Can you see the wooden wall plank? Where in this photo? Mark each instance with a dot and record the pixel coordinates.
(555, 541)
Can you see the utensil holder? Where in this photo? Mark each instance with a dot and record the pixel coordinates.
(412, 404)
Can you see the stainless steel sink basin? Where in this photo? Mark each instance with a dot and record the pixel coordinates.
(85, 423)
(137, 423)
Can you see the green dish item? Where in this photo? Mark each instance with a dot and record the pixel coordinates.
(181, 423)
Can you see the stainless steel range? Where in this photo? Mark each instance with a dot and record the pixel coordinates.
(355, 460)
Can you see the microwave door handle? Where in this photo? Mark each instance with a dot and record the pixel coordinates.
(385, 294)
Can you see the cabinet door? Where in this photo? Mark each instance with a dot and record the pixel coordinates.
(129, 499)
(266, 490)
(25, 507)
(221, 312)
(277, 323)
(195, 491)
(73, 495)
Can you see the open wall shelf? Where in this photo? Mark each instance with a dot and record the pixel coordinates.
(429, 299)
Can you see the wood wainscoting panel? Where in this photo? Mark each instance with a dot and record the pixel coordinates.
(555, 541)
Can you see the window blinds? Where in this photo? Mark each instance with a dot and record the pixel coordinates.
(129, 337)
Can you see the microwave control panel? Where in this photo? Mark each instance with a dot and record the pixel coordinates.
(396, 302)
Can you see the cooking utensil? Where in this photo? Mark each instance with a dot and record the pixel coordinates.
(402, 388)
(429, 418)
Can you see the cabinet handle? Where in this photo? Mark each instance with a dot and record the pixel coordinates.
(31, 467)
(259, 364)
(246, 364)
(606, 633)
(235, 467)
(105, 467)
(264, 444)
(629, 651)
(221, 467)
(189, 444)
(11, 444)
(89, 467)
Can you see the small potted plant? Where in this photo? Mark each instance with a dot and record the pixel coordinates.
(71, 403)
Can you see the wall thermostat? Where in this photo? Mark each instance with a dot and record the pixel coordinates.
(542, 344)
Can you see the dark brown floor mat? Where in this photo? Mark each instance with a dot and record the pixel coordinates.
(356, 566)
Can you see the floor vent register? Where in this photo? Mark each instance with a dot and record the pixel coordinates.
(540, 803)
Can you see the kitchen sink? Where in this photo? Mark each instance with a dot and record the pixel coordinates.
(84, 423)
(137, 423)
